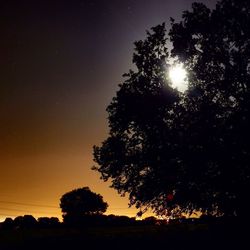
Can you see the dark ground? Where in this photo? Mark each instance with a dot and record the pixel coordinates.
(172, 237)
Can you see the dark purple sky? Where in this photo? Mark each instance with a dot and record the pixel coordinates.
(61, 62)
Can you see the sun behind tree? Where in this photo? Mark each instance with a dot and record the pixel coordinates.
(178, 76)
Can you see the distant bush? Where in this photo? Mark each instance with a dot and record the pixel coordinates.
(151, 220)
(115, 220)
(7, 224)
(26, 221)
(46, 222)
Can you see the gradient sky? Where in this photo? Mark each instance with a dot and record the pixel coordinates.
(60, 65)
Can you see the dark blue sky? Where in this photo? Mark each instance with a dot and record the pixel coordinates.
(61, 62)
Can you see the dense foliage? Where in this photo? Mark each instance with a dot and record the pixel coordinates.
(178, 152)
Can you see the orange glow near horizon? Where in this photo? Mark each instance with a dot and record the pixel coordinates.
(39, 193)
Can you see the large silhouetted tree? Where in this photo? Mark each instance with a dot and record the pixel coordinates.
(134, 154)
(215, 47)
(81, 202)
(179, 152)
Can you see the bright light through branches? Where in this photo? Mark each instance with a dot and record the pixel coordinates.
(178, 77)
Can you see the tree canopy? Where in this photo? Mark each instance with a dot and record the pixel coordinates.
(81, 202)
(179, 152)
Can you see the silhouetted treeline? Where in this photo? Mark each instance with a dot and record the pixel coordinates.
(104, 220)
(122, 232)
(29, 222)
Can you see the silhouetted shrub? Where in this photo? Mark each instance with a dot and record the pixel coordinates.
(26, 221)
(151, 220)
(8, 224)
(46, 222)
(115, 220)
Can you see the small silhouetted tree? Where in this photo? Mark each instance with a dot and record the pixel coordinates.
(178, 152)
(80, 203)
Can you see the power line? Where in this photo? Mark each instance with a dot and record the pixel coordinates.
(27, 204)
(22, 210)
(38, 205)
(49, 206)
(3, 214)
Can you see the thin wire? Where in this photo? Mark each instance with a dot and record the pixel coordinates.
(22, 210)
(49, 206)
(37, 205)
(2, 214)
(27, 204)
